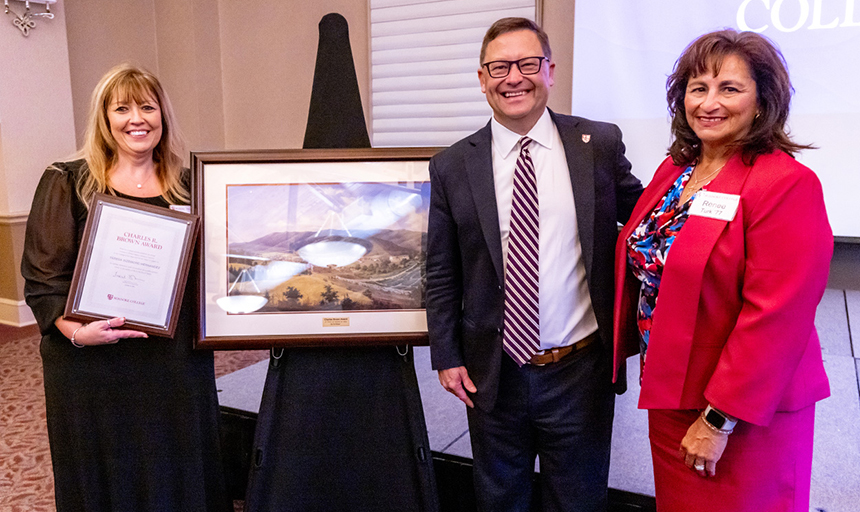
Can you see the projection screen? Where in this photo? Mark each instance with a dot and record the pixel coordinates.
(625, 49)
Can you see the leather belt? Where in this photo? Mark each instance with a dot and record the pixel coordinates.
(545, 357)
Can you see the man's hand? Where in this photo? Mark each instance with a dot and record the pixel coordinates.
(457, 381)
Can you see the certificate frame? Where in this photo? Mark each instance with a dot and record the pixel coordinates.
(339, 186)
(113, 247)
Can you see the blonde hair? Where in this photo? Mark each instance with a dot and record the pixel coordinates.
(129, 83)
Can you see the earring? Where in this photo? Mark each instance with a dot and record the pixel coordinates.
(757, 114)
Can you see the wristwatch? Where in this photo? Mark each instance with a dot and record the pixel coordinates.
(719, 419)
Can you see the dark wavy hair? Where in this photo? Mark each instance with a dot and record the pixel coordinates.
(505, 25)
(773, 91)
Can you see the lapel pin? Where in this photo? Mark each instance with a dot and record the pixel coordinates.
(586, 137)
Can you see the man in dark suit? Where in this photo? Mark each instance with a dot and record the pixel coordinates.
(520, 281)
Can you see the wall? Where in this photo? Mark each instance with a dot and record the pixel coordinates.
(189, 65)
(239, 77)
(36, 126)
(178, 41)
(101, 35)
(267, 70)
(557, 20)
(268, 66)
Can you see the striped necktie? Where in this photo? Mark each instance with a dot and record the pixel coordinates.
(522, 313)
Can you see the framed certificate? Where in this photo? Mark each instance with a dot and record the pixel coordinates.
(133, 262)
(312, 247)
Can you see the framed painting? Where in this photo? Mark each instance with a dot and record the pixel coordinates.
(306, 248)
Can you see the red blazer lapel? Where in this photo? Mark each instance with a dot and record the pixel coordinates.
(663, 178)
(627, 286)
(680, 293)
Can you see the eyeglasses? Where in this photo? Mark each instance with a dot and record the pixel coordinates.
(527, 66)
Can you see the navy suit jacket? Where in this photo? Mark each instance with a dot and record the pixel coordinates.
(465, 273)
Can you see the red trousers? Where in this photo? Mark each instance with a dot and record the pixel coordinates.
(763, 469)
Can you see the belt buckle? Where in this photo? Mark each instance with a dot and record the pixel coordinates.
(576, 347)
(538, 353)
(552, 351)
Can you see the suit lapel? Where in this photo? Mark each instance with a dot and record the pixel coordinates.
(479, 168)
(580, 165)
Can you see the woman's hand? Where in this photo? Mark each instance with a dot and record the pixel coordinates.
(100, 332)
(702, 447)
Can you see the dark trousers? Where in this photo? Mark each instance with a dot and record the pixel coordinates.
(561, 412)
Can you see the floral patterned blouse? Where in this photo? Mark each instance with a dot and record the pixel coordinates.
(648, 246)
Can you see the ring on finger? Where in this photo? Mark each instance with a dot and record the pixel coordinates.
(699, 467)
(108, 323)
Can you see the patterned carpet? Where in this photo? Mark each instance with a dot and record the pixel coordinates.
(26, 482)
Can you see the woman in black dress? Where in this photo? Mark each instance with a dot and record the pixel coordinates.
(132, 422)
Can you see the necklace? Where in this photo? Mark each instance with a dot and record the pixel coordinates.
(144, 182)
(131, 183)
(694, 185)
(709, 176)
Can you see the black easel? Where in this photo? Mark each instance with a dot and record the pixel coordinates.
(340, 428)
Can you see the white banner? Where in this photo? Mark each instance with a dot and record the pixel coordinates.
(625, 49)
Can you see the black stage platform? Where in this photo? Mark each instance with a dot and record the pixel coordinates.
(240, 392)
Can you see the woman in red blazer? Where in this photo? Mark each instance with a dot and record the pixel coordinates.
(732, 236)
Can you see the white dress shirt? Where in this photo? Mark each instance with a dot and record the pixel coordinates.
(566, 315)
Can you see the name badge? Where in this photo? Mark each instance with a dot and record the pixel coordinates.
(715, 205)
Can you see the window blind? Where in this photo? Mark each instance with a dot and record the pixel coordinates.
(424, 61)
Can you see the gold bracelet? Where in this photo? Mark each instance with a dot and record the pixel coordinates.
(76, 344)
(715, 429)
